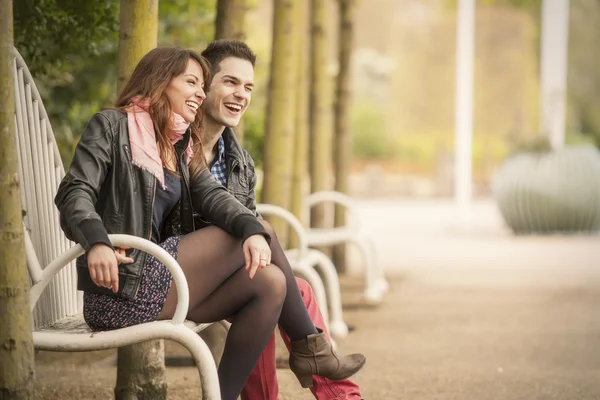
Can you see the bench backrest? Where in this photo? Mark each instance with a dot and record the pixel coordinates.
(41, 171)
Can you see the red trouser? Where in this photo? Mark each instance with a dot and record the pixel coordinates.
(262, 382)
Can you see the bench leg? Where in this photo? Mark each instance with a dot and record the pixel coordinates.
(382, 282)
(204, 361)
(373, 286)
(337, 326)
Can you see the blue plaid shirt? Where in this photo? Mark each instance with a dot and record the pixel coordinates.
(218, 167)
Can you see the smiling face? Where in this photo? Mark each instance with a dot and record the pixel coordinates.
(186, 91)
(230, 92)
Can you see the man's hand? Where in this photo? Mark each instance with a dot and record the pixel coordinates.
(257, 253)
(103, 263)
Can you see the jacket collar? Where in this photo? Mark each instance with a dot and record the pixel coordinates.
(221, 157)
(233, 149)
(183, 143)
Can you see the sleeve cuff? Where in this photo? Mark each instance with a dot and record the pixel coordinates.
(93, 232)
(247, 225)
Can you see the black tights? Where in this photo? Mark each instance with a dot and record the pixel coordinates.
(220, 287)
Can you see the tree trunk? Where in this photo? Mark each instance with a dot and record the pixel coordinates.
(320, 110)
(215, 337)
(342, 145)
(140, 367)
(231, 18)
(231, 24)
(138, 34)
(279, 140)
(300, 170)
(16, 346)
(141, 372)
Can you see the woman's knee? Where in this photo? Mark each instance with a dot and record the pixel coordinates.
(274, 283)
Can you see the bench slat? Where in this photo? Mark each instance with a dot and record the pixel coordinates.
(76, 324)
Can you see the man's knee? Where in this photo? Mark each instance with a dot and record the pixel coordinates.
(305, 290)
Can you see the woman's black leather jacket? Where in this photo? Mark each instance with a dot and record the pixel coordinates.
(104, 193)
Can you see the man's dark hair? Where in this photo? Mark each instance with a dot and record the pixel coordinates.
(220, 49)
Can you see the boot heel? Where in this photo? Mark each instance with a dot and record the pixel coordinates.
(305, 380)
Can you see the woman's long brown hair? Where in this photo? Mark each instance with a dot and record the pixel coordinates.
(149, 79)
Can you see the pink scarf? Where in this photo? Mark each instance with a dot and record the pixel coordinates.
(142, 138)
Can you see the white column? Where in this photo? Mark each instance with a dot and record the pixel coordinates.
(553, 74)
(463, 119)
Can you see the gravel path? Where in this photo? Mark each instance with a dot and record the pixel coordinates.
(472, 314)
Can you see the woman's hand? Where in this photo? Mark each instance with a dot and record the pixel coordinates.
(257, 253)
(103, 264)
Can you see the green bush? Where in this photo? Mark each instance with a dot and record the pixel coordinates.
(254, 133)
(369, 137)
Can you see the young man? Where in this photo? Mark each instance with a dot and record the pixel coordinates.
(227, 98)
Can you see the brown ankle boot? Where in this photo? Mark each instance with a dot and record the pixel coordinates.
(314, 355)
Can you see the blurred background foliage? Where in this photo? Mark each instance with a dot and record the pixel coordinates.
(403, 118)
(583, 73)
(70, 47)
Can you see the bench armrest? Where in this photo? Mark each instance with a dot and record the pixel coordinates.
(290, 219)
(339, 199)
(129, 241)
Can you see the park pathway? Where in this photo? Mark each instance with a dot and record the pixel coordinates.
(473, 314)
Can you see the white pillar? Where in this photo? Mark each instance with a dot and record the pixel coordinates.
(553, 74)
(463, 118)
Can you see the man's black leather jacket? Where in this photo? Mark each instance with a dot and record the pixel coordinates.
(104, 193)
(241, 183)
(241, 175)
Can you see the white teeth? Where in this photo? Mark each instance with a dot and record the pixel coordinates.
(192, 104)
(234, 106)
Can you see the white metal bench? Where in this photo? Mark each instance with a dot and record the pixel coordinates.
(303, 260)
(55, 302)
(353, 232)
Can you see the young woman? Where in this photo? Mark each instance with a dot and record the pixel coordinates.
(131, 167)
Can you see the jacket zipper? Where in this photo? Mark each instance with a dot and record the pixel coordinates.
(149, 234)
(151, 215)
(131, 173)
(187, 187)
(152, 208)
